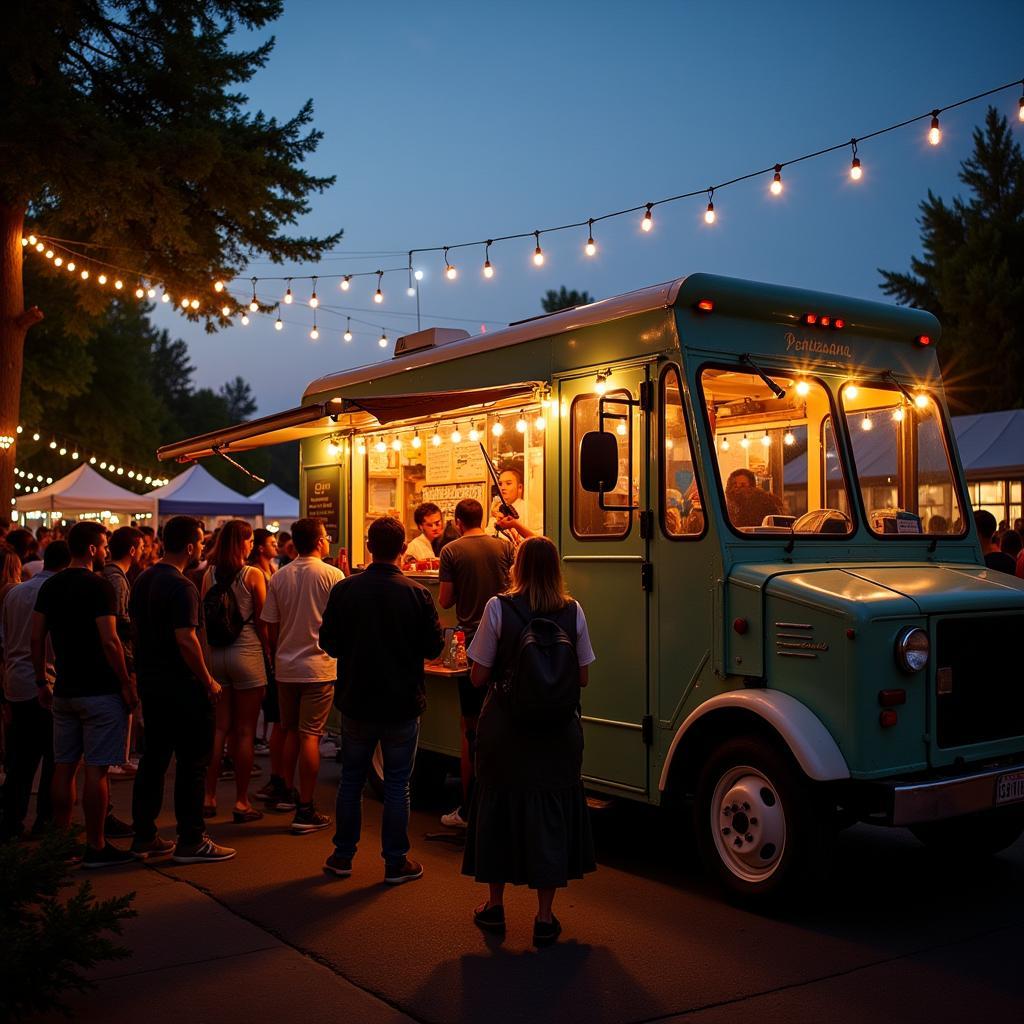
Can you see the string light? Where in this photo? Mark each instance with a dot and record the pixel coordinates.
(194, 303)
(590, 248)
(396, 444)
(745, 443)
(766, 441)
(314, 332)
(254, 304)
(383, 340)
(346, 282)
(411, 290)
(456, 435)
(620, 429)
(140, 292)
(313, 300)
(58, 262)
(856, 172)
(361, 447)
(709, 213)
(102, 279)
(225, 311)
(866, 423)
(538, 253)
(218, 286)
(521, 423)
(449, 271)
(498, 429)
(803, 388)
(850, 392)
(436, 439)
(776, 186)
(332, 449)
(378, 296)
(380, 446)
(897, 415)
(488, 269)
(348, 329)
(789, 438)
(934, 132)
(288, 297)
(725, 444)
(648, 221)
(417, 441)
(278, 323)
(245, 320)
(418, 274)
(474, 434)
(540, 423)
(921, 400)
(601, 381)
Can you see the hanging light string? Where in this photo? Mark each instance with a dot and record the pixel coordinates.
(646, 223)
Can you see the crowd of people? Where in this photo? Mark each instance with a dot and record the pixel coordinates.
(176, 646)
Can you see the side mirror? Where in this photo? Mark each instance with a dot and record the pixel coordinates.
(599, 461)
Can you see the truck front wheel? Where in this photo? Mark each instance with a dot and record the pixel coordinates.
(973, 835)
(754, 814)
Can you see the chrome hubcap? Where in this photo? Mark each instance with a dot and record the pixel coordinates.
(748, 824)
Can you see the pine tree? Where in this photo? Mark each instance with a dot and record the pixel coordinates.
(124, 128)
(564, 298)
(971, 274)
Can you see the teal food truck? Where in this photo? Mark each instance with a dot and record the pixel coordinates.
(759, 504)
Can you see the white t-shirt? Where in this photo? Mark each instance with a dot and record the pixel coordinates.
(296, 597)
(420, 549)
(484, 647)
(30, 569)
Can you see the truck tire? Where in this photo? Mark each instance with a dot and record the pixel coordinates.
(972, 835)
(756, 826)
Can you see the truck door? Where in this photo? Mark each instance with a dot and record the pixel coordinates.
(604, 558)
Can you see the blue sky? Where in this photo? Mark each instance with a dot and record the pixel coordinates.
(449, 122)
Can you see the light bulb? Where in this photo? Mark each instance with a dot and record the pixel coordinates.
(103, 465)
(245, 319)
(194, 303)
(74, 455)
(40, 247)
(361, 447)
(278, 325)
(49, 254)
(648, 221)
(436, 440)
(921, 401)
(850, 392)
(709, 214)
(24, 242)
(314, 301)
(396, 445)
(725, 444)
(85, 277)
(521, 423)
(803, 388)
(71, 266)
(288, 297)
(856, 171)
(474, 434)
(35, 437)
(789, 438)
(745, 443)
(450, 272)
(131, 473)
(1020, 117)
(456, 437)
(32, 239)
(140, 292)
(590, 248)
(865, 423)
(488, 269)
(119, 284)
(935, 133)
(102, 279)
(314, 334)
(225, 311)
(378, 296)
(92, 462)
(410, 291)
(380, 446)
(58, 262)
(383, 341)
(345, 282)
(184, 303)
(63, 451)
(620, 429)
(218, 286)
(254, 305)
(120, 471)
(538, 257)
(498, 429)
(416, 440)
(151, 293)
(897, 415)
(347, 335)
(766, 441)
(539, 423)
(53, 444)
(776, 185)
(601, 384)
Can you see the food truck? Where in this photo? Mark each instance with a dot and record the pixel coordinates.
(758, 502)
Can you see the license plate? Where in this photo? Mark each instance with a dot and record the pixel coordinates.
(1010, 788)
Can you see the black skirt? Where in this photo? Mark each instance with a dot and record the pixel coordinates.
(528, 821)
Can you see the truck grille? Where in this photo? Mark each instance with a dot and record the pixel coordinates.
(979, 673)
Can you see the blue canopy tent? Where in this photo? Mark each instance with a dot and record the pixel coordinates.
(196, 493)
(278, 506)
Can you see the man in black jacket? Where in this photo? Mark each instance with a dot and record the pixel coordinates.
(380, 625)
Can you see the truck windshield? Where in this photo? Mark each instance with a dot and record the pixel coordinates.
(777, 469)
(903, 466)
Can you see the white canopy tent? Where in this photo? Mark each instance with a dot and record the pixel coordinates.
(84, 493)
(278, 506)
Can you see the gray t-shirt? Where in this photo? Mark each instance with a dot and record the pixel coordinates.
(478, 568)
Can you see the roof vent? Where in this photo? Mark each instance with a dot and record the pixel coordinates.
(432, 337)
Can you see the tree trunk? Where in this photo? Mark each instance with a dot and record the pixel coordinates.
(15, 321)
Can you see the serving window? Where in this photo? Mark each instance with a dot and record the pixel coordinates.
(394, 471)
(682, 511)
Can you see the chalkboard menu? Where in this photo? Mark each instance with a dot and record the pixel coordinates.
(323, 498)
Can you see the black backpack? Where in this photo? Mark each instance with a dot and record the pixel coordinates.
(541, 683)
(223, 620)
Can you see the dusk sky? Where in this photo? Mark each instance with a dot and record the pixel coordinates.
(452, 122)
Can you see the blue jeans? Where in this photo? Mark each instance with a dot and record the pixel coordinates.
(398, 745)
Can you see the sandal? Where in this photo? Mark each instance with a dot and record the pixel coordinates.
(545, 933)
(491, 919)
(249, 814)
(209, 810)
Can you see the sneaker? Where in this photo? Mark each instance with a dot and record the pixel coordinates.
(454, 819)
(328, 749)
(308, 819)
(150, 849)
(407, 871)
(115, 828)
(123, 771)
(204, 851)
(261, 748)
(227, 770)
(108, 857)
(256, 769)
(338, 865)
(288, 800)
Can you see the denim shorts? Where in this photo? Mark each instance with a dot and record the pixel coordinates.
(93, 727)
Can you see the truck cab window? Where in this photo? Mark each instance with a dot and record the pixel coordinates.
(903, 468)
(682, 511)
(777, 472)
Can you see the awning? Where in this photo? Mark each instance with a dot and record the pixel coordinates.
(391, 408)
(357, 411)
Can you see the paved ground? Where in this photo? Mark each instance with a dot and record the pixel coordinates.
(899, 936)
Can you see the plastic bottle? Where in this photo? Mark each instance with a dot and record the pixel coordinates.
(460, 660)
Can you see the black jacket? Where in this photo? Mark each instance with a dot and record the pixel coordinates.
(380, 625)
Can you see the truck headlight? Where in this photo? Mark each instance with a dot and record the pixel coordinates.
(912, 649)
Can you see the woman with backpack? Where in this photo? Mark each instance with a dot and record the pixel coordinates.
(233, 595)
(528, 821)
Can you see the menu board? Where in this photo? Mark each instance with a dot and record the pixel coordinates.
(439, 463)
(447, 496)
(468, 459)
(323, 498)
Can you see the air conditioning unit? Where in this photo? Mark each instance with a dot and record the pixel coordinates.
(432, 337)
